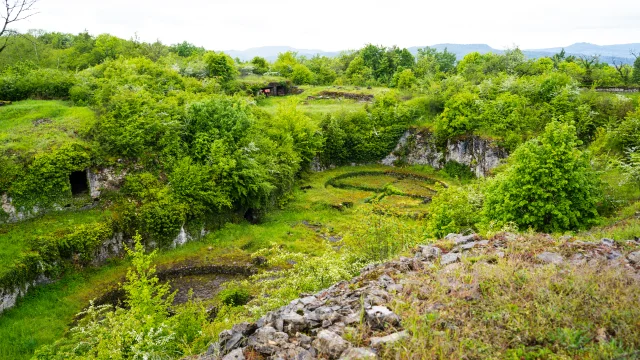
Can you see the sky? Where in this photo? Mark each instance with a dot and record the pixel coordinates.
(332, 25)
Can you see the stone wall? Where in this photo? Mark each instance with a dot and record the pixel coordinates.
(104, 179)
(418, 147)
(8, 297)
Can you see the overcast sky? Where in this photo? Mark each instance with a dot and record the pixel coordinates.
(347, 24)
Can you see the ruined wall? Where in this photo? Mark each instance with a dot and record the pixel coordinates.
(98, 180)
(418, 147)
(104, 179)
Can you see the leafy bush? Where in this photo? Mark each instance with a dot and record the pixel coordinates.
(548, 186)
(301, 75)
(36, 84)
(234, 296)
(459, 116)
(365, 136)
(220, 66)
(454, 210)
(458, 171)
(145, 330)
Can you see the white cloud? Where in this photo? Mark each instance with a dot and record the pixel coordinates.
(347, 24)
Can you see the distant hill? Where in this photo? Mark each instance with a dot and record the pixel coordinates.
(459, 49)
(271, 52)
(608, 53)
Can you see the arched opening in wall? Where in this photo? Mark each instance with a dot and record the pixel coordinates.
(79, 183)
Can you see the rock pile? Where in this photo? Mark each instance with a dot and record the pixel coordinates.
(313, 326)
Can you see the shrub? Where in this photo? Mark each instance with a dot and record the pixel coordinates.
(548, 186)
(234, 296)
(36, 84)
(459, 116)
(221, 66)
(458, 171)
(146, 329)
(301, 75)
(454, 210)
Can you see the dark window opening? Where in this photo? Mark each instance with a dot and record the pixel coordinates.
(79, 183)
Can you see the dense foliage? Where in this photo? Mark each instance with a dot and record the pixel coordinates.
(200, 144)
(548, 187)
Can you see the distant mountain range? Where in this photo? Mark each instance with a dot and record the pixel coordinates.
(608, 53)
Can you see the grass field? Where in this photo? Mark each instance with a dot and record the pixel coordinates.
(316, 108)
(34, 126)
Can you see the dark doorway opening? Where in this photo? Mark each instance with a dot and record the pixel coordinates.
(79, 183)
(252, 216)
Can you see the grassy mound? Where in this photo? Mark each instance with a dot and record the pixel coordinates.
(34, 126)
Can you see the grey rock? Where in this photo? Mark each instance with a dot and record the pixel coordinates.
(237, 354)
(468, 246)
(634, 257)
(267, 339)
(376, 342)
(449, 258)
(358, 354)
(607, 242)
(304, 339)
(245, 328)
(293, 322)
(386, 280)
(330, 344)
(430, 252)
(233, 342)
(279, 324)
(378, 317)
(452, 236)
(613, 255)
(352, 318)
(550, 258)
(483, 242)
(465, 239)
(308, 300)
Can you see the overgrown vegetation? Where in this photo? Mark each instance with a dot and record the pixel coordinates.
(201, 147)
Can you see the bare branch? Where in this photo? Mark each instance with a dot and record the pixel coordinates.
(14, 11)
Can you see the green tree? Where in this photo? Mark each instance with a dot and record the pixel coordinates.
(145, 330)
(221, 66)
(186, 49)
(454, 210)
(459, 116)
(301, 75)
(636, 70)
(323, 73)
(549, 185)
(260, 65)
(358, 73)
(285, 62)
(405, 79)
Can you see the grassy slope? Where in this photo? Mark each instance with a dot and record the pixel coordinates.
(21, 132)
(500, 302)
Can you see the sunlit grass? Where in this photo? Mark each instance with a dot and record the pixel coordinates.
(34, 126)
